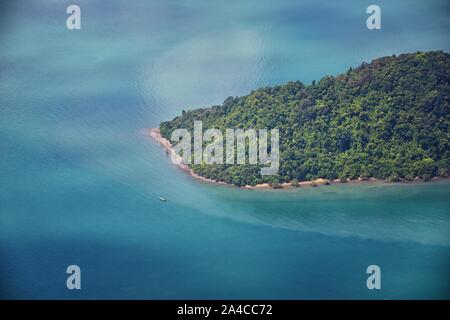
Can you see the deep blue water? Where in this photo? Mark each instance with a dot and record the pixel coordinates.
(80, 182)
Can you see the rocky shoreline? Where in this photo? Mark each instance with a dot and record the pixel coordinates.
(155, 134)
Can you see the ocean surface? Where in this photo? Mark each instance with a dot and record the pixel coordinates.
(80, 182)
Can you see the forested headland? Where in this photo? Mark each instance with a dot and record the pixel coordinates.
(387, 119)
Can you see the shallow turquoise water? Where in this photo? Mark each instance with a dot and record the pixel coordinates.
(80, 182)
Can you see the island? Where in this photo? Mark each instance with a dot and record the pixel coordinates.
(385, 120)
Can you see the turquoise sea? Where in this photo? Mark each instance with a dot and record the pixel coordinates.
(80, 182)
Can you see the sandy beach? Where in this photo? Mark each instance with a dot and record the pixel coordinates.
(155, 134)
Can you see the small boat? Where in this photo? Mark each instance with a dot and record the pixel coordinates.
(162, 199)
